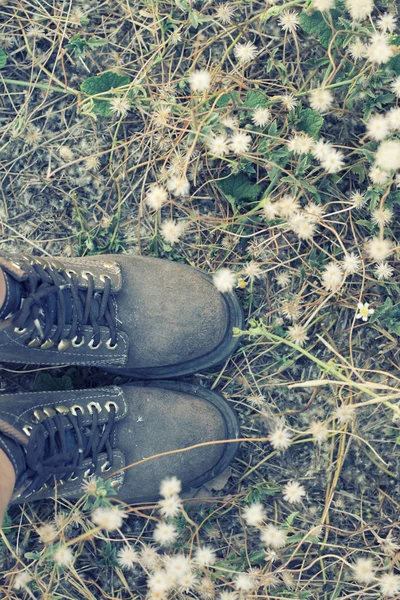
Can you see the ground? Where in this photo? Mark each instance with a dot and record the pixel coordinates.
(257, 137)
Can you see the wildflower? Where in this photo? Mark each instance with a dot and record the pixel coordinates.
(300, 143)
(283, 279)
(108, 518)
(293, 492)
(291, 310)
(388, 155)
(379, 50)
(171, 231)
(156, 196)
(256, 400)
(323, 5)
(333, 161)
(321, 99)
(199, 80)
(280, 438)
(287, 206)
(240, 142)
(21, 580)
(92, 163)
(288, 579)
(319, 431)
(204, 556)
(261, 116)
(127, 557)
(383, 271)
(381, 216)
(63, 556)
(274, 537)
(158, 582)
(322, 149)
(178, 185)
(270, 556)
(252, 270)
(171, 506)
(344, 413)
(378, 176)
(378, 127)
(188, 581)
(171, 486)
(241, 283)
(351, 263)
(230, 122)
(388, 545)
(297, 334)
(148, 557)
(245, 53)
(303, 226)
(165, 533)
(364, 311)
(379, 248)
(270, 211)
(244, 582)
(333, 277)
(289, 20)
(289, 101)
(386, 22)
(90, 485)
(47, 533)
(226, 595)
(206, 588)
(393, 118)
(219, 145)
(395, 86)
(224, 13)
(357, 198)
(254, 514)
(120, 106)
(389, 584)
(224, 280)
(360, 9)
(66, 153)
(358, 50)
(161, 116)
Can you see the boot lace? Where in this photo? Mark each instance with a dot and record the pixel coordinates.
(59, 445)
(90, 307)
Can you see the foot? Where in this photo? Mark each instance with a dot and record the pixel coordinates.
(59, 439)
(137, 316)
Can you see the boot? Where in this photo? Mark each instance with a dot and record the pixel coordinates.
(56, 440)
(136, 316)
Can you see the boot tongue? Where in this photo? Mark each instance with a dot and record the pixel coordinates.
(12, 301)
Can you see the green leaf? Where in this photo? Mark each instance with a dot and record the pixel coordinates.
(291, 517)
(314, 24)
(255, 99)
(3, 58)
(238, 188)
(47, 383)
(107, 82)
(310, 122)
(226, 98)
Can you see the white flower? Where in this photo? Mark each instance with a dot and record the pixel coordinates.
(303, 226)
(244, 582)
(333, 277)
(289, 20)
(171, 230)
(280, 438)
(230, 122)
(383, 271)
(158, 583)
(240, 142)
(360, 9)
(47, 533)
(386, 22)
(177, 565)
(199, 80)
(388, 155)
(344, 413)
(178, 185)
(379, 248)
(245, 53)
(289, 101)
(108, 518)
(171, 506)
(333, 161)
(273, 537)
(226, 595)
(351, 263)
(378, 127)
(364, 570)
(156, 196)
(261, 116)
(393, 118)
(120, 106)
(148, 557)
(164, 533)
(224, 280)
(254, 514)
(300, 143)
(319, 430)
(127, 557)
(379, 50)
(219, 145)
(187, 581)
(206, 588)
(389, 584)
(298, 334)
(287, 206)
(252, 270)
(21, 580)
(322, 149)
(381, 216)
(378, 176)
(204, 556)
(293, 492)
(270, 211)
(283, 279)
(364, 311)
(63, 556)
(395, 86)
(321, 99)
(171, 486)
(358, 50)
(66, 153)
(357, 198)
(224, 13)
(323, 5)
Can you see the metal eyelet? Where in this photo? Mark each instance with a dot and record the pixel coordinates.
(70, 272)
(105, 467)
(39, 415)
(76, 407)
(109, 404)
(63, 410)
(47, 344)
(110, 265)
(72, 477)
(111, 346)
(74, 344)
(90, 344)
(19, 330)
(88, 473)
(92, 405)
(50, 412)
(63, 345)
(33, 343)
(27, 429)
(103, 276)
(84, 274)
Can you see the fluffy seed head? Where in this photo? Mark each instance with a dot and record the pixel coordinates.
(156, 197)
(254, 514)
(280, 438)
(164, 533)
(240, 142)
(378, 127)
(219, 145)
(108, 518)
(293, 492)
(359, 9)
(224, 280)
(321, 100)
(63, 556)
(333, 277)
(383, 271)
(388, 155)
(319, 430)
(204, 556)
(389, 584)
(171, 230)
(298, 334)
(261, 116)
(273, 537)
(127, 557)
(199, 80)
(170, 486)
(245, 53)
(379, 248)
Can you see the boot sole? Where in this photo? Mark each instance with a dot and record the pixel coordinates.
(212, 359)
(232, 430)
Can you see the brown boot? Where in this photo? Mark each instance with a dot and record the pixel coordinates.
(137, 316)
(59, 439)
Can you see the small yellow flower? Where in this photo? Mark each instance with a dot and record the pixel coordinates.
(241, 284)
(364, 311)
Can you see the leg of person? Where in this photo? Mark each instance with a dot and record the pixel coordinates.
(2, 288)
(7, 483)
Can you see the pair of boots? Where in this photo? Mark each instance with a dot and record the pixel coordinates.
(143, 317)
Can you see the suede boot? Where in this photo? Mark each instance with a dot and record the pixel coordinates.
(57, 440)
(137, 316)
